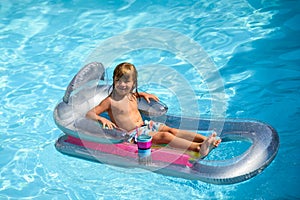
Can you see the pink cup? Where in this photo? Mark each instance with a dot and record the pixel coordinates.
(144, 141)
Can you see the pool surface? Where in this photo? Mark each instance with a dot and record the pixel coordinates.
(216, 59)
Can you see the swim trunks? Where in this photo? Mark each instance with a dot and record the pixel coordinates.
(149, 126)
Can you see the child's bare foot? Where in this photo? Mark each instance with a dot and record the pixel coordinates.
(206, 146)
(211, 142)
(217, 139)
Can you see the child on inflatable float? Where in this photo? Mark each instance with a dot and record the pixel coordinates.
(122, 108)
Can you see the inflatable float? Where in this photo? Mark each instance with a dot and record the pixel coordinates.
(86, 139)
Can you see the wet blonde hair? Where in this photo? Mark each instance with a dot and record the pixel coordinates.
(125, 69)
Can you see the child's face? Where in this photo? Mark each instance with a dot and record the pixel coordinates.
(124, 85)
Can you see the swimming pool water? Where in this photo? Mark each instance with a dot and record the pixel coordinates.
(254, 45)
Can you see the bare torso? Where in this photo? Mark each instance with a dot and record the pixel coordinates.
(124, 112)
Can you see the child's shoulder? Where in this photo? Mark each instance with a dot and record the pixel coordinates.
(133, 96)
(106, 101)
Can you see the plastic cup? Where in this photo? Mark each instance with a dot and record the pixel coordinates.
(144, 142)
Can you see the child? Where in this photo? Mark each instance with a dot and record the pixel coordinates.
(122, 107)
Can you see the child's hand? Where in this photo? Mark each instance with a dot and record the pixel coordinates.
(106, 123)
(147, 97)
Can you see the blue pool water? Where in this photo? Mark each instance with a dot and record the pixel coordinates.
(255, 48)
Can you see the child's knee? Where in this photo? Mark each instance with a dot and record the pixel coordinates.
(174, 131)
(164, 137)
(168, 129)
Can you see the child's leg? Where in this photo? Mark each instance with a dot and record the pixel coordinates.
(191, 136)
(176, 142)
(173, 141)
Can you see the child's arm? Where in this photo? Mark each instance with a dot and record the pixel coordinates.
(147, 96)
(97, 110)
